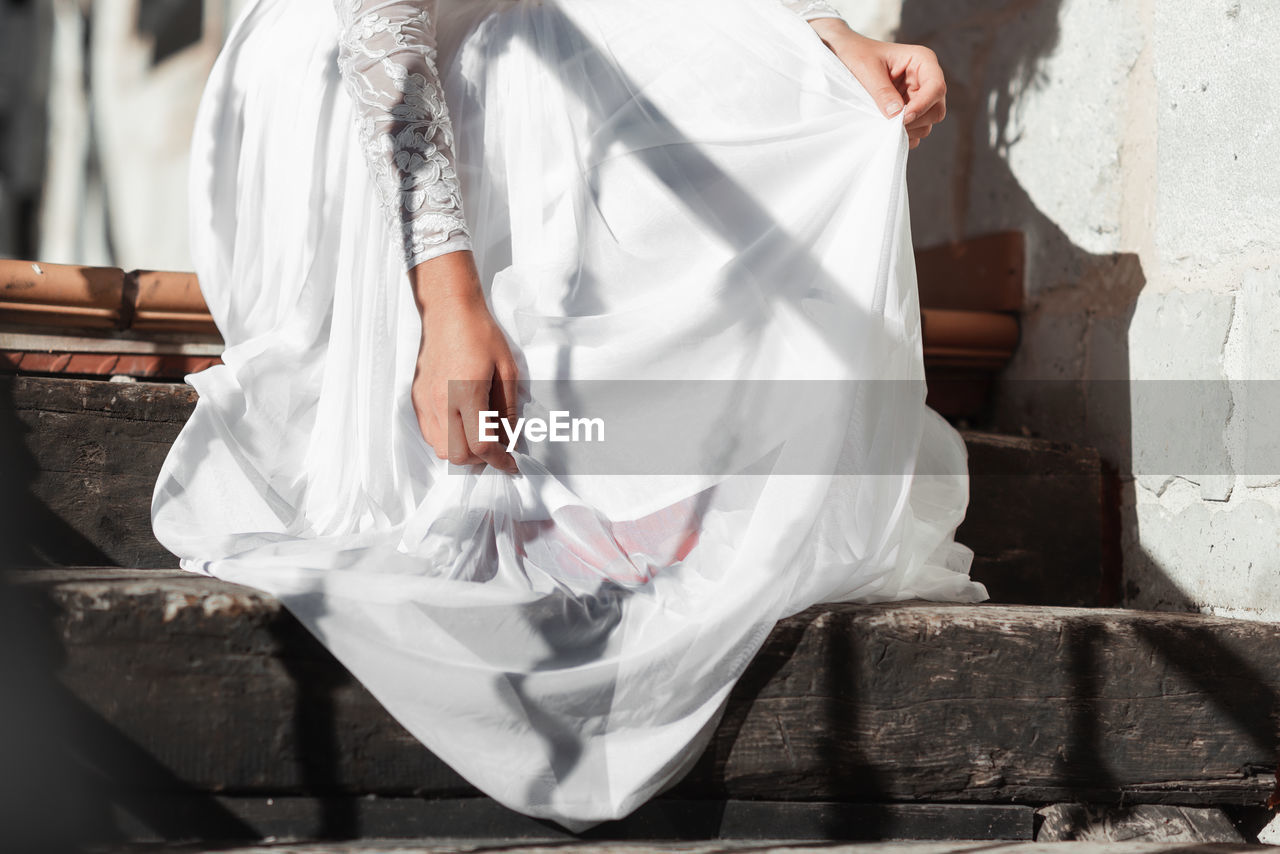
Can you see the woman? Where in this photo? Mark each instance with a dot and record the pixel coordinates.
(682, 223)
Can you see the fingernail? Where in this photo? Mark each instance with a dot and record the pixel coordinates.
(894, 108)
(909, 118)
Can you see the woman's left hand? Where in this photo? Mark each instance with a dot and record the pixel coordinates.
(898, 76)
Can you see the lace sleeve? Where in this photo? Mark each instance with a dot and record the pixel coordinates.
(810, 9)
(387, 58)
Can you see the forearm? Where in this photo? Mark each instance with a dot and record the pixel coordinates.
(387, 56)
(834, 32)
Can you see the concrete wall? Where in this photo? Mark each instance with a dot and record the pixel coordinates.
(1136, 144)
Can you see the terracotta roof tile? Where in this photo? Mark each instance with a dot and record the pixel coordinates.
(60, 294)
(163, 301)
(968, 338)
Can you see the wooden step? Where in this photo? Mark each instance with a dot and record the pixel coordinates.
(82, 457)
(174, 682)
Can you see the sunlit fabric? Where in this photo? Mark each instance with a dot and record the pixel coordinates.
(684, 212)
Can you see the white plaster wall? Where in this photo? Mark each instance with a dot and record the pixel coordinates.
(1135, 142)
(1218, 87)
(1209, 538)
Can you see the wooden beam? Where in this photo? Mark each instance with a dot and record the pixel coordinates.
(349, 817)
(178, 677)
(81, 459)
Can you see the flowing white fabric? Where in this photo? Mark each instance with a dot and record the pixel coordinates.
(689, 219)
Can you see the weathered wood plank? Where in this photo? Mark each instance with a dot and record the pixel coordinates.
(82, 457)
(301, 818)
(178, 677)
(1035, 520)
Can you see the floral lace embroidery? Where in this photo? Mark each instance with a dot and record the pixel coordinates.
(810, 9)
(387, 57)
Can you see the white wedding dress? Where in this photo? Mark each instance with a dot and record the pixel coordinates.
(691, 222)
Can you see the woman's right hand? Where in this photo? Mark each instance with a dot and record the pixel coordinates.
(464, 364)
(892, 74)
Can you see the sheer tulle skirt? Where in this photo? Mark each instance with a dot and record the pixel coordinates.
(689, 217)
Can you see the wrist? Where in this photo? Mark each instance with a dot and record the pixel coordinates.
(446, 284)
(835, 32)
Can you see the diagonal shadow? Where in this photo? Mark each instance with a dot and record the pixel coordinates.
(67, 771)
(316, 677)
(692, 177)
(1083, 767)
(31, 533)
(1240, 690)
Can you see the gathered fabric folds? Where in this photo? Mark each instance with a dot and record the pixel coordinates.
(691, 222)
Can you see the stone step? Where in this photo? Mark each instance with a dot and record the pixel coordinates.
(166, 682)
(82, 456)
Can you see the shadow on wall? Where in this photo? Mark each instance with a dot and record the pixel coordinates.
(1069, 379)
(1080, 303)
